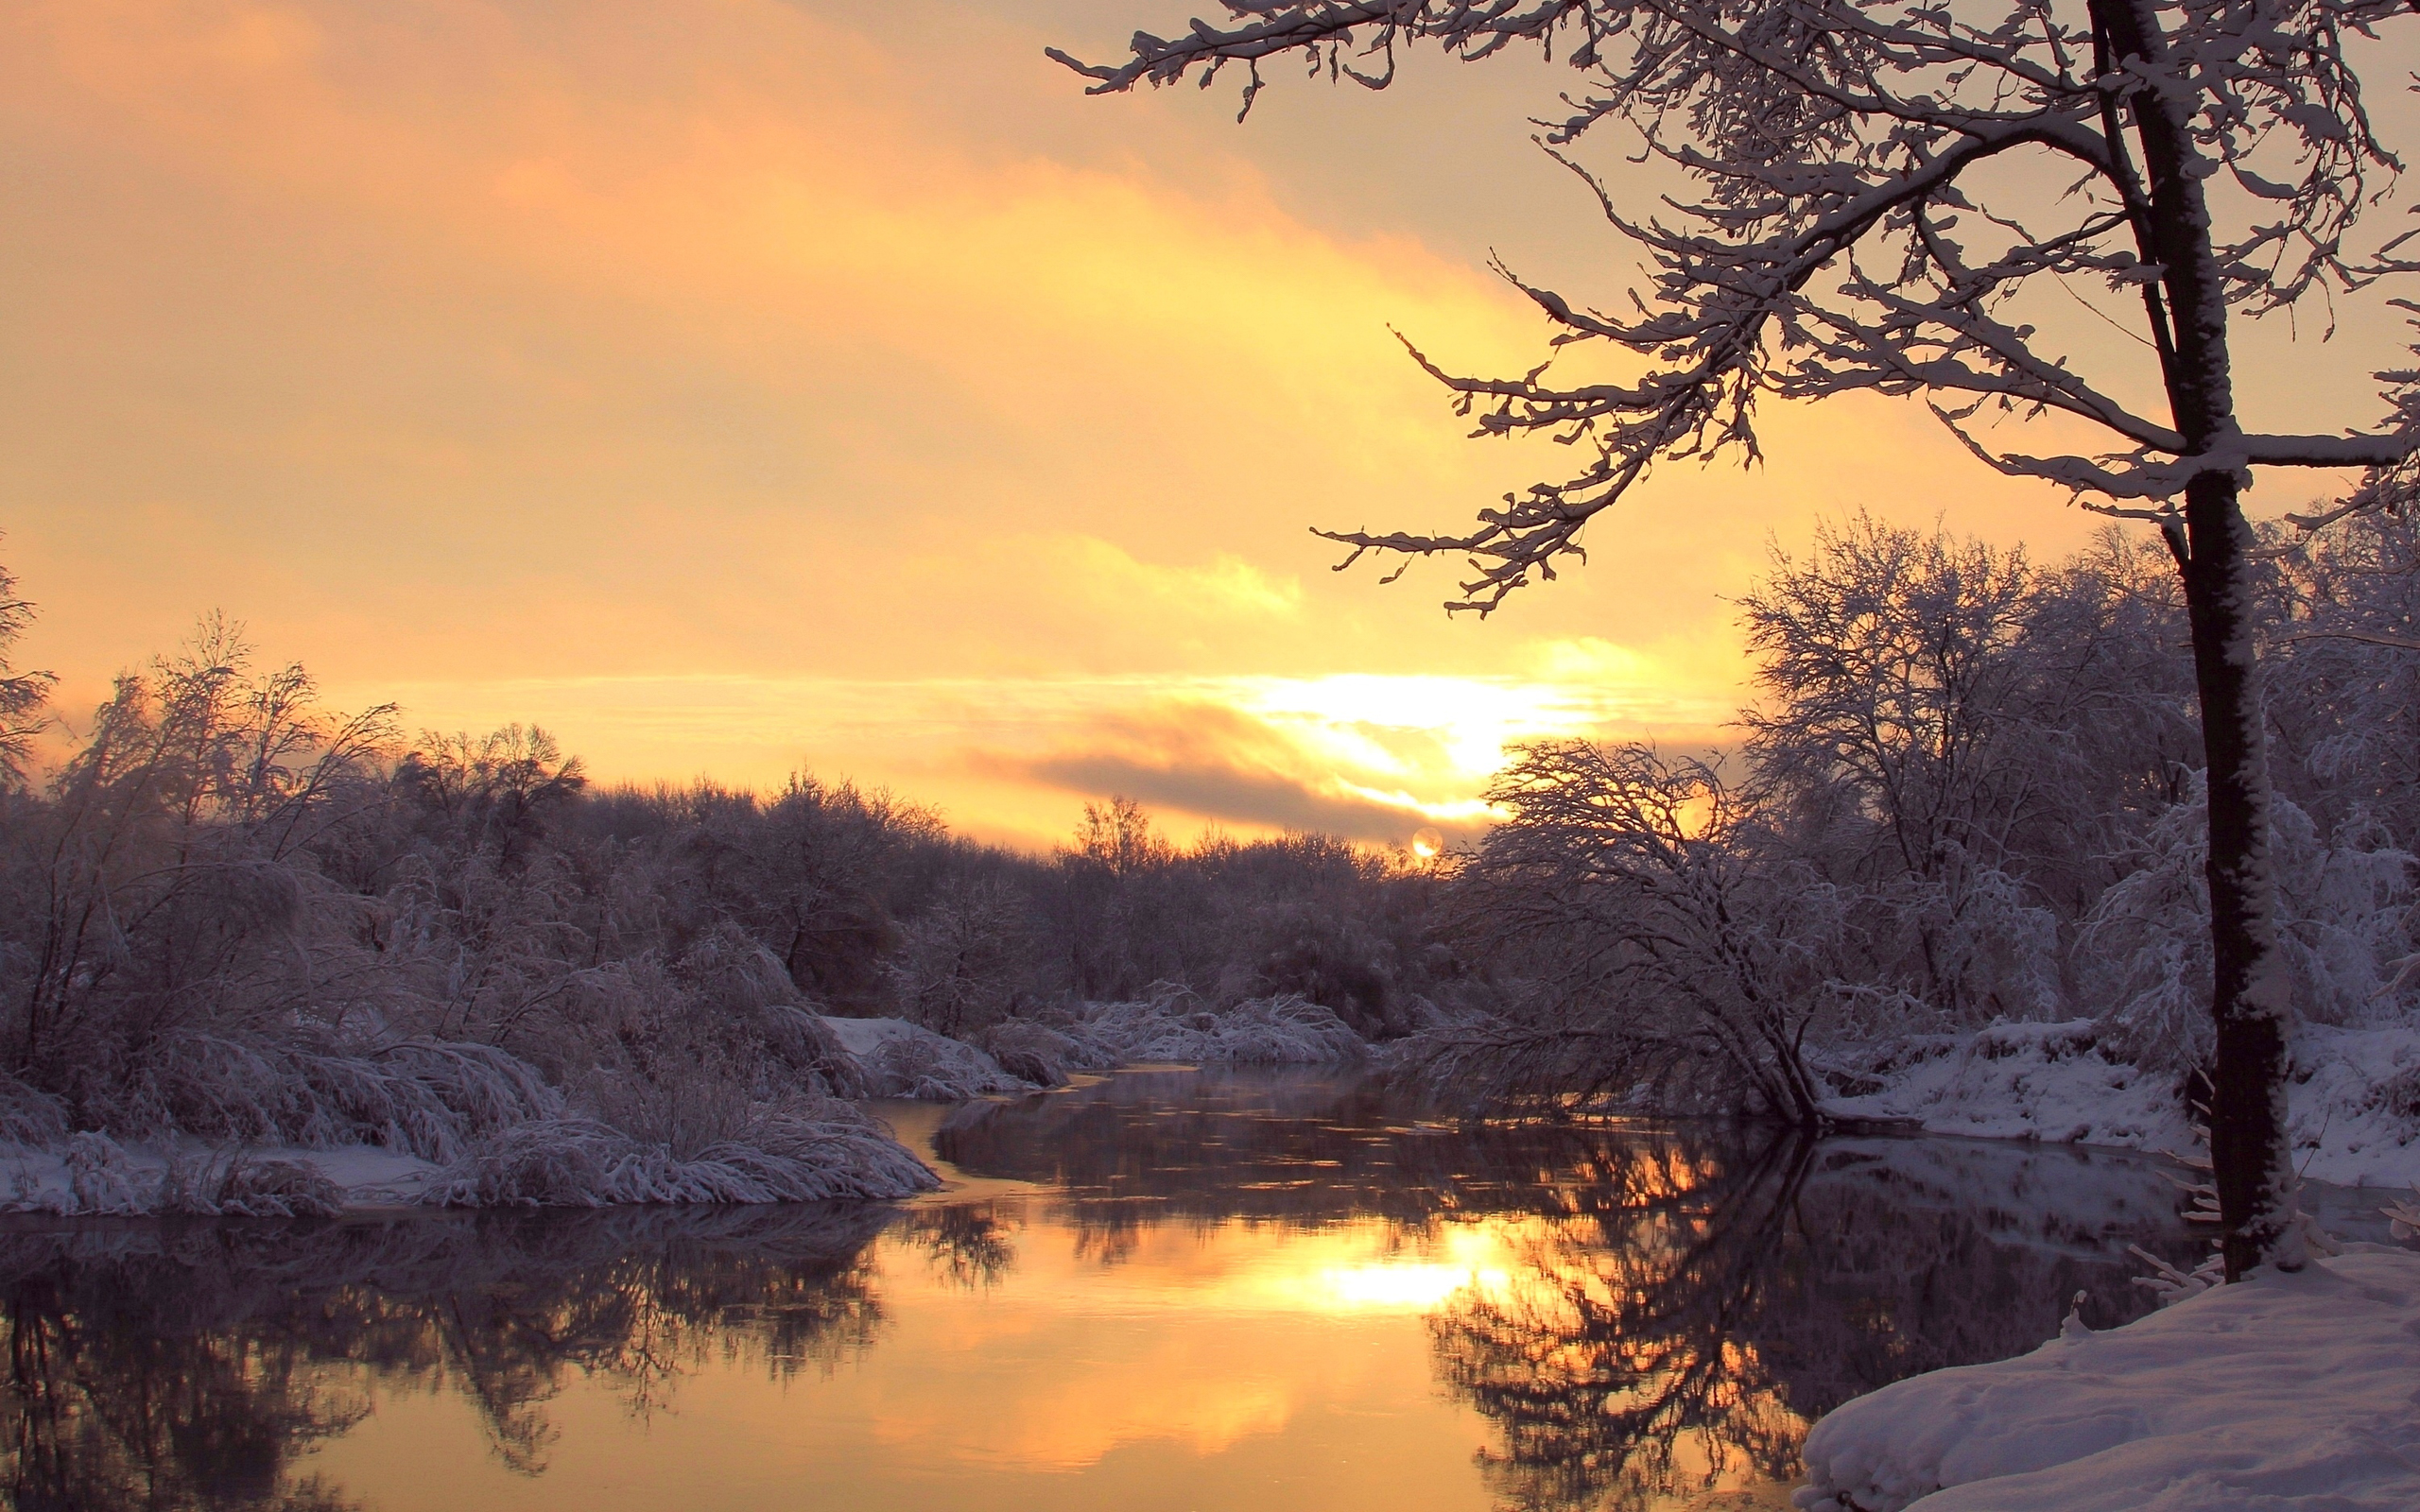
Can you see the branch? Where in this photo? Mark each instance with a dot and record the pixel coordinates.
(2398, 643)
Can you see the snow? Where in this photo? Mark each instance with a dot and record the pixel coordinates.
(93, 1173)
(2041, 1082)
(1170, 1026)
(816, 1150)
(300, 1133)
(905, 1060)
(2289, 1393)
(1174, 1027)
(2353, 1109)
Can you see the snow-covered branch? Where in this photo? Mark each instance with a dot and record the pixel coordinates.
(1844, 237)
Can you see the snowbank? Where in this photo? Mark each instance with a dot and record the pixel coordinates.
(1027, 1054)
(901, 1059)
(1171, 1026)
(2353, 1110)
(2044, 1081)
(2287, 1392)
(298, 1132)
(93, 1173)
(809, 1153)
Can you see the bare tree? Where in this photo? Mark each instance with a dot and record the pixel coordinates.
(958, 964)
(1852, 229)
(1886, 660)
(1117, 836)
(1627, 884)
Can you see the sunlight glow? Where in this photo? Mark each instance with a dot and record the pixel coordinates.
(1394, 754)
(1400, 1287)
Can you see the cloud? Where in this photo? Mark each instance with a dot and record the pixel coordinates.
(1223, 765)
(1303, 754)
(509, 343)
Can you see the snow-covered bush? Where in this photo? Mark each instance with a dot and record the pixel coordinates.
(28, 1116)
(1041, 1053)
(2347, 919)
(1173, 1025)
(807, 1152)
(103, 1177)
(99, 1177)
(903, 1059)
(240, 1185)
(431, 1098)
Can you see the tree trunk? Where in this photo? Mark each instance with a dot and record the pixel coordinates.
(2251, 998)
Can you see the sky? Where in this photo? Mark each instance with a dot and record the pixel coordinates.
(744, 386)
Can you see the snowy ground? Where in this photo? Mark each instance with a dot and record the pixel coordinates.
(2295, 1393)
(2355, 1106)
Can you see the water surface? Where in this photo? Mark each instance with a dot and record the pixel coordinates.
(1167, 1290)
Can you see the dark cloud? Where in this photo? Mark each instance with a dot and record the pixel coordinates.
(1217, 762)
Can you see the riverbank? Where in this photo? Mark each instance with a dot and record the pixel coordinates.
(689, 1143)
(2289, 1393)
(2353, 1107)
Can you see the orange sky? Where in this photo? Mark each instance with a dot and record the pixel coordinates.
(739, 386)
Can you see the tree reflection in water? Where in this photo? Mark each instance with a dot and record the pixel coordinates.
(1700, 1309)
(174, 1365)
(1691, 1296)
(1680, 1301)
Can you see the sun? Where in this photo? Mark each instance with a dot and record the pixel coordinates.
(1427, 844)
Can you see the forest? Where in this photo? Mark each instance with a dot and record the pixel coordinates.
(1947, 871)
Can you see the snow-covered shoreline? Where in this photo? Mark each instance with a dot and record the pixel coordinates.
(2354, 1105)
(2293, 1393)
(2355, 1113)
(813, 1146)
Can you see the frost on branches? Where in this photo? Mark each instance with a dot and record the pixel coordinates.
(2212, 158)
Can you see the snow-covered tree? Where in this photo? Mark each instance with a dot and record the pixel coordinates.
(1852, 229)
(1665, 947)
(22, 694)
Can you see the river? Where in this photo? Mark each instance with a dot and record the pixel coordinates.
(1164, 1290)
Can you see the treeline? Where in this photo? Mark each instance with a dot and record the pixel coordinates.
(1969, 791)
(232, 914)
